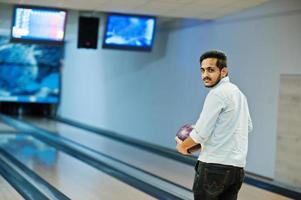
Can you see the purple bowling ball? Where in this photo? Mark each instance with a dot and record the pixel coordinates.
(184, 132)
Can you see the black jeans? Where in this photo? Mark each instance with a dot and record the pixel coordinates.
(217, 182)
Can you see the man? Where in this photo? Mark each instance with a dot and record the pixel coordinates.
(222, 130)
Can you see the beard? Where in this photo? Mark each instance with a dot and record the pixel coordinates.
(216, 82)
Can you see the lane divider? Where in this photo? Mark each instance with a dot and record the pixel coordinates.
(25, 181)
(163, 151)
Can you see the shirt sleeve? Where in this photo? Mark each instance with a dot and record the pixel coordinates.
(205, 124)
(250, 124)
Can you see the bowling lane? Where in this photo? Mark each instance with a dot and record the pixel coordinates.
(169, 169)
(7, 192)
(74, 178)
(249, 192)
(5, 128)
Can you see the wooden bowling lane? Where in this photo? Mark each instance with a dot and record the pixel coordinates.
(74, 178)
(249, 192)
(5, 128)
(7, 192)
(169, 169)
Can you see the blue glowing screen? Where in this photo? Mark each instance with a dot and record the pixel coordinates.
(29, 72)
(129, 31)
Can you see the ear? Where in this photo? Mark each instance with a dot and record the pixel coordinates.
(224, 72)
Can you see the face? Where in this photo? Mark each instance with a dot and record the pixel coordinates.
(211, 74)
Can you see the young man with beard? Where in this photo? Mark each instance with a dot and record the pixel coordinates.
(222, 130)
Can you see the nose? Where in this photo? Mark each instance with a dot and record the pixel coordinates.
(204, 74)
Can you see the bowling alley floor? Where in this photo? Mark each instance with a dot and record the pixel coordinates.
(56, 160)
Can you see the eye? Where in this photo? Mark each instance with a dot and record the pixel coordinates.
(202, 70)
(210, 70)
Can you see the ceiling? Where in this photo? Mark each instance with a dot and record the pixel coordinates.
(198, 9)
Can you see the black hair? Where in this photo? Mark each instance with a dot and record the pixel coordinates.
(219, 55)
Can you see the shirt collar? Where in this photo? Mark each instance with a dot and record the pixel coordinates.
(223, 80)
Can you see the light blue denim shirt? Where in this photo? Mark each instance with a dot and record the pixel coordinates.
(223, 126)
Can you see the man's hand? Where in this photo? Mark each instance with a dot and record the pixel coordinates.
(180, 148)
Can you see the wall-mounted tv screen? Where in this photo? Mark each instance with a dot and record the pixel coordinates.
(30, 73)
(133, 32)
(38, 24)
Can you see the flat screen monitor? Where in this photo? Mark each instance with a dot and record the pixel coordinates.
(38, 25)
(30, 73)
(133, 32)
